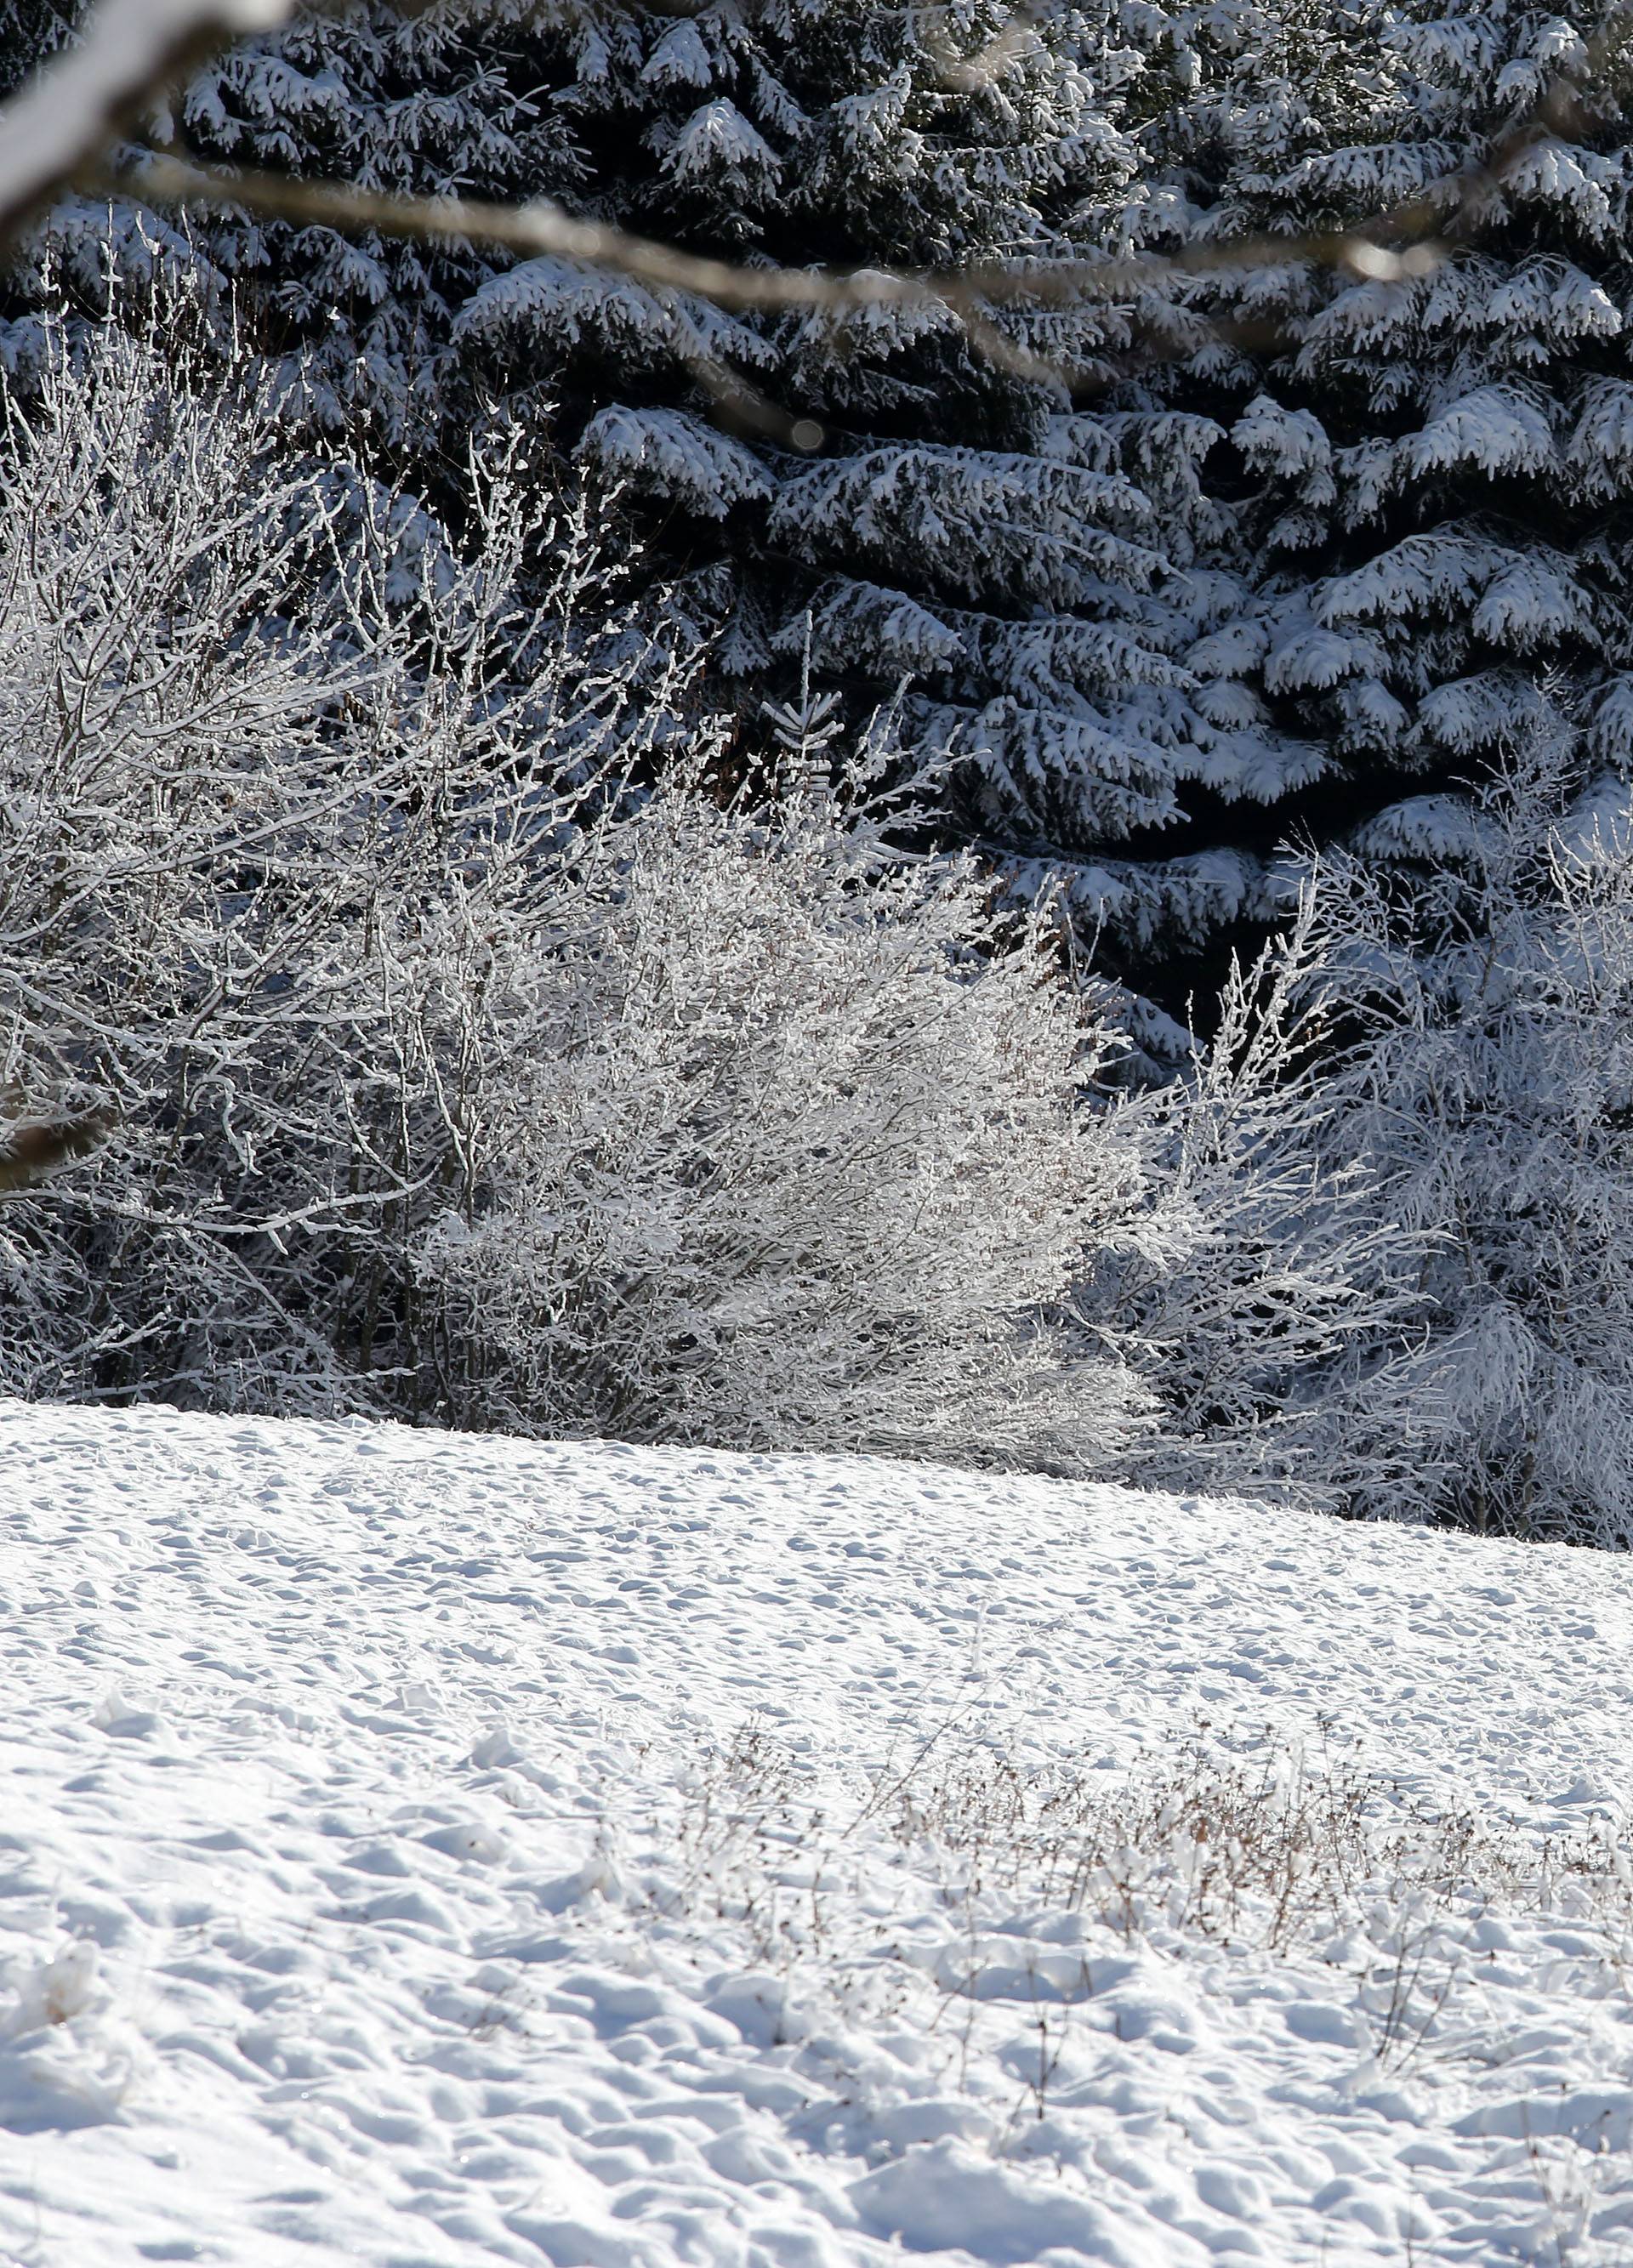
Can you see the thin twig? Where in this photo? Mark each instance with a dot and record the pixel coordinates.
(542, 230)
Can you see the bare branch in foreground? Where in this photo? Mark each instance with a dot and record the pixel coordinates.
(541, 229)
(68, 116)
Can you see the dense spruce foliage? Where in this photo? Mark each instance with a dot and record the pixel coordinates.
(1428, 479)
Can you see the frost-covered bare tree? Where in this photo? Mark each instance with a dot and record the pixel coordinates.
(251, 713)
(1394, 1204)
(447, 1077)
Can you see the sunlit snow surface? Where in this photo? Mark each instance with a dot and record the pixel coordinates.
(371, 1889)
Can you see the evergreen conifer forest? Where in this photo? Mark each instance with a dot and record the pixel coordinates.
(1035, 870)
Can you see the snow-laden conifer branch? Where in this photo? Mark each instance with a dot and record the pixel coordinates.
(61, 128)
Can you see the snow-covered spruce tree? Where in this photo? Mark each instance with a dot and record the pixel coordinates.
(1042, 576)
(959, 529)
(1353, 517)
(1427, 483)
(440, 1087)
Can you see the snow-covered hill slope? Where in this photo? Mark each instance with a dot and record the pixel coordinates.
(422, 1850)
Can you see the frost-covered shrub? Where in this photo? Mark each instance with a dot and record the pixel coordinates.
(787, 1149)
(1397, 1200)
(1491, 1093)
(450, 1077)
(168, 816)
(1273, 1301)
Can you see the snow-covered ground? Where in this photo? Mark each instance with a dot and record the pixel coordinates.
(416, 1849)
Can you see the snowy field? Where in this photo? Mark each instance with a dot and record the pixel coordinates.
(419, 1849)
